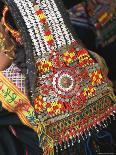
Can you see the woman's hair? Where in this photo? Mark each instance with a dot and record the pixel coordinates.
(1, 8)
(20, 54)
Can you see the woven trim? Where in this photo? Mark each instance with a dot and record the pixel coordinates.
(14, 100)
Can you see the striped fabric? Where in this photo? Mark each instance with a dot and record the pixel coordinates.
(79, 16)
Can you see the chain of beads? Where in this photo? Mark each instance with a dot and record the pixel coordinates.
(47, 13)
(65, 30)
(58, 22)
(30, 21)
(59, 38)
(27, 20)
(48, 37)
(52, 22)
(41, 19)
(36, 26)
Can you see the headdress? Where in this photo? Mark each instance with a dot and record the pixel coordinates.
(71, 93)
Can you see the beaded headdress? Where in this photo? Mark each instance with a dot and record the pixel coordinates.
(69, 90)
